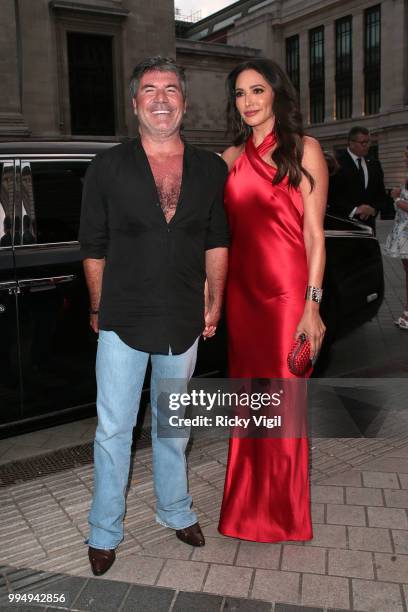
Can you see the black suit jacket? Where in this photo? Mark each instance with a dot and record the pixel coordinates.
(346, 189)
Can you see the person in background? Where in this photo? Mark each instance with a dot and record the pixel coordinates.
(358, 190)
(396, 244)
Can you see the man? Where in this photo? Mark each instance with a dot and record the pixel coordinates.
(357, 189)
(153, 229)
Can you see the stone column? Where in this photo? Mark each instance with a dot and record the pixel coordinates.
(329, 71)
(148, 31)
(304, 74)
(276, 43)
(393, 54)
(11, 118)
(358, 64)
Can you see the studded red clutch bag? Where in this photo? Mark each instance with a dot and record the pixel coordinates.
(299, 361)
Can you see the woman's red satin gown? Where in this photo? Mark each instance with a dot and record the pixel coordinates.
(266, 492)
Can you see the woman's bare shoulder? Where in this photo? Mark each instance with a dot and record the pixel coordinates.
(312, 152)
(231, 154)
(311, 145)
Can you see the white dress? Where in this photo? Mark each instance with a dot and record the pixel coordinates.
(396, 244)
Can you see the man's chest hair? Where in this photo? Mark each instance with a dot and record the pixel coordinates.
(168, 190)
(168, 178)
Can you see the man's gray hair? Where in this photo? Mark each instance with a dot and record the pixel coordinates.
(163, 64)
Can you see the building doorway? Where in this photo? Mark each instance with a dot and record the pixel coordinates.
(91, 87)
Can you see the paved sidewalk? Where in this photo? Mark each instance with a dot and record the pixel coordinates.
(357, 560)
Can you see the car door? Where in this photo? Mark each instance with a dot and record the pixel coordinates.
(10, 387)
(57, 344)
(353, 293)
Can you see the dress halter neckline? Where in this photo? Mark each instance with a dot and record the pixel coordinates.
(255, 155)
(266, 144)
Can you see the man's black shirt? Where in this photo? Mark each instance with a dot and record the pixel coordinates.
(153, 281)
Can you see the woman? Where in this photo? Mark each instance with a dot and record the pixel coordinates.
(397, 242)
(275, 200)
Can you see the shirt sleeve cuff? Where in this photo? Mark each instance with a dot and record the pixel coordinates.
(215, 242)
(89, 252)
(353, 212)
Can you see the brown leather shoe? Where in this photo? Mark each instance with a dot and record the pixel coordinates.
(191, 535)
(101, 560)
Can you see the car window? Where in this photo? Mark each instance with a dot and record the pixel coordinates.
(6, 202)
(51, 200)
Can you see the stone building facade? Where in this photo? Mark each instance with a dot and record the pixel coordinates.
(207, 65)
(65, 65)
(348, 59)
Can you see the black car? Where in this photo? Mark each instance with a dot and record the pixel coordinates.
(354, 277)
(47, 349)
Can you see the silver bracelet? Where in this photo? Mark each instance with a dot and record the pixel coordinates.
(314, 294)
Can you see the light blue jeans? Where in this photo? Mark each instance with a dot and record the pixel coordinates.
(120, 372)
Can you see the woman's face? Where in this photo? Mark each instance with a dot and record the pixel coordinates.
(254, 99)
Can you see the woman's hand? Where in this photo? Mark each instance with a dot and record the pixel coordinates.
(402, 204)
(312, 325)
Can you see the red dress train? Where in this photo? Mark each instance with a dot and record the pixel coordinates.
(266, 492)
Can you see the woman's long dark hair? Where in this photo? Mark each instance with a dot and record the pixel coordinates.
(288, 120)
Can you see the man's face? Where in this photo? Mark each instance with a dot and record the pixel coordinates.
(159, 104)
(360, 144)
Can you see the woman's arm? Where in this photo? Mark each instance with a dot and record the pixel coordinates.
(231, 154)
(314, 202)
(402, 204)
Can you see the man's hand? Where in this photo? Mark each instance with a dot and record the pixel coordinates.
(365, 211)
(216, 264)
(211, 317)
(94, 322)
(93, 269)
